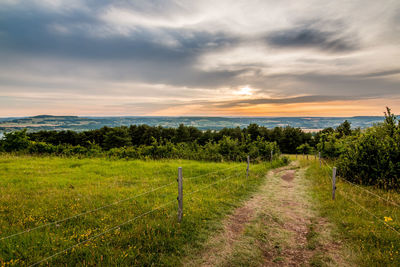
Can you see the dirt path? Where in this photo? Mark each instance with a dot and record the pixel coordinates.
(277, 226)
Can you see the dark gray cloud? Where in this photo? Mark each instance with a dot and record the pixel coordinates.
(179, 48)
(382, 73)
(143, 55)
(354, 86)
(287, 100)
(31, 33)
(312, 37)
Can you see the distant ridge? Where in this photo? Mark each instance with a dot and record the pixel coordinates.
(76, 123)
(52, 116)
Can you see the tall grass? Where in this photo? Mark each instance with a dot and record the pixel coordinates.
(35, 191)
(368, 225)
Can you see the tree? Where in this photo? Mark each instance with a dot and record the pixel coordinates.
(182, 134)
(344, 129)
(15, 141)
(390, 122)
(117, 137)
(304, 148)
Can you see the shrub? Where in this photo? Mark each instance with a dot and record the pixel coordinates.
(373, 158)
(41, 148)
(15, 141)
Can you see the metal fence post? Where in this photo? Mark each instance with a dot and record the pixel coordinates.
(248, 167)
(333, 182)
(180, 194)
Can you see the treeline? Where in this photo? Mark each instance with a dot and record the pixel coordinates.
(128, 142)
(369, 157)
(287, 138)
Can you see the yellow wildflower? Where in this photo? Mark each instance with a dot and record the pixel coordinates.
(388, 219)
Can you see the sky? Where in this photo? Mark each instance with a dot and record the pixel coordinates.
(199, 58)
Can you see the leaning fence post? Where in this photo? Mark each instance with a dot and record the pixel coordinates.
(180, 194)
(319, 156)
(248, 167)
(333, 182)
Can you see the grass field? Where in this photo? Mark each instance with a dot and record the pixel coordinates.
(367, 222)
(36, 192)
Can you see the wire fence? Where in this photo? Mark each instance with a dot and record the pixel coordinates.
(85, 213)
(362, 188)
(109, 205)
(353, 185)
(57, 222)
(100, 234)
(137, 217)
(214, 172)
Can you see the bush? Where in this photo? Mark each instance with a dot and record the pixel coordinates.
(304, 149)
(373, 158)
(15, 141)
(41, 148)
(117, 144)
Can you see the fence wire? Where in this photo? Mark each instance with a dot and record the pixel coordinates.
(362, 188)
(102, 233)
(361, 206)
(85, 213)
(129, 221)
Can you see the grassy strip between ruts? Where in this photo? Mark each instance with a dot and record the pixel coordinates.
(368, 225)
(35, 191)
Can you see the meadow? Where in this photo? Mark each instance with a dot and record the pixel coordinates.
(366, 219)
(97, 211)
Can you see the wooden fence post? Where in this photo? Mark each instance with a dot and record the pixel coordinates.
(248, 166)
(272, 154)
(180, 195)
(333, 182)
(296, 155)
(319, 156)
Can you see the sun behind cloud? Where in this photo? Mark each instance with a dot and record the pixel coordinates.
(247, 91)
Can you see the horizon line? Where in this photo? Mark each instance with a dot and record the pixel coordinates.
(185, 116)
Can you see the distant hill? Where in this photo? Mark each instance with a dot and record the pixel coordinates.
(50, 122)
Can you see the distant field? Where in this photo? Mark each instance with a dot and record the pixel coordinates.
(35, 191)
(309, 124)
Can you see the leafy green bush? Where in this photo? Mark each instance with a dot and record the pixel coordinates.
(41, 148)
(117, 144)
(373, 158)
(331, 145)
(304, 149)
(15, 141)
(227, 149)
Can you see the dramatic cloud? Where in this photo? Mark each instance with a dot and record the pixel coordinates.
(306, 37)
(194, 58)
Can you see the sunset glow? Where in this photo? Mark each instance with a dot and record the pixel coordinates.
(244, 91)
(199, 58)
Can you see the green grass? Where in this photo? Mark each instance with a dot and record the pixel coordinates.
(365, 239)
(39, 190)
